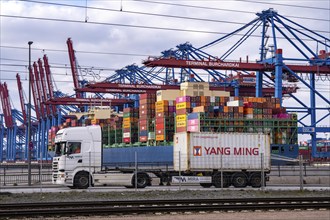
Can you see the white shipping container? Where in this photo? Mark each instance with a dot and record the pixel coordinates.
(235, 103)
(126, 135)
(227, 151)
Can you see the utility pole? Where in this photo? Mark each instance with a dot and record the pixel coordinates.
(29, 141)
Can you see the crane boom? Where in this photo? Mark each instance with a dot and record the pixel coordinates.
(224, 65)
(107, 87)
(34, 92)
(43, 85)
(49, 83)
(87, 101)
(6, 105)
(73, 64)
(21, 97)
(39, 91)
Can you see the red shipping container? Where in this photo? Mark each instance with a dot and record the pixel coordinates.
(143, 138)
(181, 129)
(148, 96)
(143, 127)
(159, 126)
(161, 114)
(143, 122)
(160, 132)
(160, 120)
(126, 140)
(144, 117)
(126, 130)
(183, 111)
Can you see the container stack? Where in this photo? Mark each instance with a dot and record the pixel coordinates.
(146, 116)
(51, 137)
(183, 107)
(130, 125)
(164, 120)
(249, 114)
(112, 131)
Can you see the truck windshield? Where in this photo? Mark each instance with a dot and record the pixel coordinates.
(60, 149)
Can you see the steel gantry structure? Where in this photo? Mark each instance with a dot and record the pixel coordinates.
(273, 70)
(263, 77)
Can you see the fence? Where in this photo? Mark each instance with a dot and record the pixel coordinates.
(19, 175)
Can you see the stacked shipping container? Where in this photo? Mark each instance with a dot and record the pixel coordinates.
(165, 111)
(146, 116)
(130, 125)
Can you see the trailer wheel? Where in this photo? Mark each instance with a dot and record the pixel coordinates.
(206, 185)
(81, 180)
(143, 180)
(255, 180)
(216, 180)
(239, 180)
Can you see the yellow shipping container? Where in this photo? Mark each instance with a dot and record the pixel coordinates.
(126, 125)
(181, 118)
(181, 124)
(183, 105)
(162, 103)
(161, 108)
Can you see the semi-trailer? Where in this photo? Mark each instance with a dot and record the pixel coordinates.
(210, 159)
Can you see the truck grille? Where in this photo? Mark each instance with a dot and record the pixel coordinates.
(55, 171)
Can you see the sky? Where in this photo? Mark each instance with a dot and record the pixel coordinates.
(108, 35)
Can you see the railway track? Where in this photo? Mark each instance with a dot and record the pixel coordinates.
(159, 206)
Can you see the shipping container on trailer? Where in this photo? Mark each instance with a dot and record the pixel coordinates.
(210, 159)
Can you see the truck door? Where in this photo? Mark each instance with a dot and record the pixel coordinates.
(73, 155)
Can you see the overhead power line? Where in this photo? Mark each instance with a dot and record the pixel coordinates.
(166, 15)
(220, 9)
(132, 26)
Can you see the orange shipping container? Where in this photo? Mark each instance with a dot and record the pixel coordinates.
(161, 108)
(199, 109)
(225, 109)
(126, 125)
(248, 111)
(240, 109)
(160, 137)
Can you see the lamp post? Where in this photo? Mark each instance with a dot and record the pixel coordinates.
(29, 141)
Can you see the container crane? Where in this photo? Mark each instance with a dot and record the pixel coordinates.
(273, 70)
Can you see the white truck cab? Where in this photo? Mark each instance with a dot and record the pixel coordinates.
(77, 155)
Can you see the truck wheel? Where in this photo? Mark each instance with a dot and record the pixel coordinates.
(255, 180)
(206, 185)
(81, 180)
(239, 180)
(216, 180)
(143, 180)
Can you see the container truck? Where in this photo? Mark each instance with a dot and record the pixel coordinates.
(209, 159)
